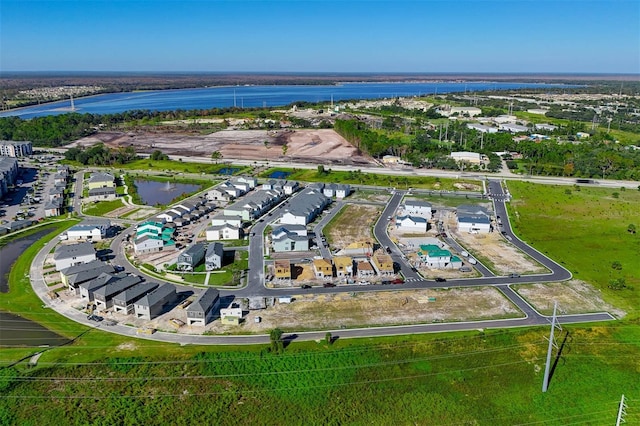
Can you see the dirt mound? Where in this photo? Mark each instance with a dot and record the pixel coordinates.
(321, 145)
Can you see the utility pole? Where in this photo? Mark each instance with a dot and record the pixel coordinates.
(552, 344)
(622, 411)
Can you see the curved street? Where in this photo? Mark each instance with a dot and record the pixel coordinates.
(255, 282)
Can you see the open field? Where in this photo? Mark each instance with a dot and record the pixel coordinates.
(573, 297)
(102, 208)
(355, 309)
(357, 177)
(483, 377)
(586, 232)
(354, 223)
(312, 145)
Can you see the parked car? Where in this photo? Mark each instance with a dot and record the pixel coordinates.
(514, 275)
(397, 281)
(96, 318)
(385, 282)
(440, 280)
(305, 286)
(326, 285)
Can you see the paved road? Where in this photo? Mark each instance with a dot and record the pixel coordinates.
(319, 227)
(255, 284)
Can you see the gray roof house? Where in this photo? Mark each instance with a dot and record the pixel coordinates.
(73, 254)
(282, 239)
(213, 258)
(73, 276)
(473, 219)
(104, 295)
(154, 303)
(88, 288)
(97, 194)
(123, 302)
(191, 257)
(308, 205)
(204, 307)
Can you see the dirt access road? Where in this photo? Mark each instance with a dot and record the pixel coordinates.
(311, 145)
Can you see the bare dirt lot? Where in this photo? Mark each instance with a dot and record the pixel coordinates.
(573, 297)
(495, 252)
(312, 145)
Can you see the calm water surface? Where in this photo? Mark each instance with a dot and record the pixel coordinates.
(258, 96)
(153, 192)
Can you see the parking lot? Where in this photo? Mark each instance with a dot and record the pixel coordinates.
(29, 197)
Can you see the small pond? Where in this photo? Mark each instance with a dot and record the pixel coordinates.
(228, 170)
(279, 175)
(153, 192)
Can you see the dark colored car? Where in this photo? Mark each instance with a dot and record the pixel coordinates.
(96, 318)
(385, 282)
(305, 286)
(397, 281)
(440, 280)
(328, 285)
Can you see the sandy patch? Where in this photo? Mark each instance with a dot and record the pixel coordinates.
(573, 297)
(354, 224)
(492, 246)
(312, 145)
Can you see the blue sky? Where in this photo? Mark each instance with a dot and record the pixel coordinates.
(321, 36)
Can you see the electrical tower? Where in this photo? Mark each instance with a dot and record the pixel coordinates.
(552, 344)
(622, 411)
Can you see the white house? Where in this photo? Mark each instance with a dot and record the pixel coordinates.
(473, 219)
(147, 244)
(222, 219)
(418, 208)
(411, 223)
(73, 254)
(89, 230)
(469, 157)
(223, 232)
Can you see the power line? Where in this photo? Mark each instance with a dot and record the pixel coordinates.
(361, 382)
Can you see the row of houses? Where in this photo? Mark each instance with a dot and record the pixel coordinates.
(342, 267)
(231, 189)
(98, 283)
(54, 206)
(186, 211)
(308, 205)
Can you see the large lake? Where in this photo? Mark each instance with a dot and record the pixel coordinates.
(15, 330)
(153, 192)
(257, 96)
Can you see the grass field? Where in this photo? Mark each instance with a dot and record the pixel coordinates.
(473, 378)
(585, 231)
(359, 178)
(179, 166)
(101, 208)
(354, 223)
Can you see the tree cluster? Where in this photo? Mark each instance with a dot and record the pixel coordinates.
(101, 155)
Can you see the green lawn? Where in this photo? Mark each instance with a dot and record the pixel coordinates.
(103, 207)
(585, 231)
(179, 166)
(359, 178)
